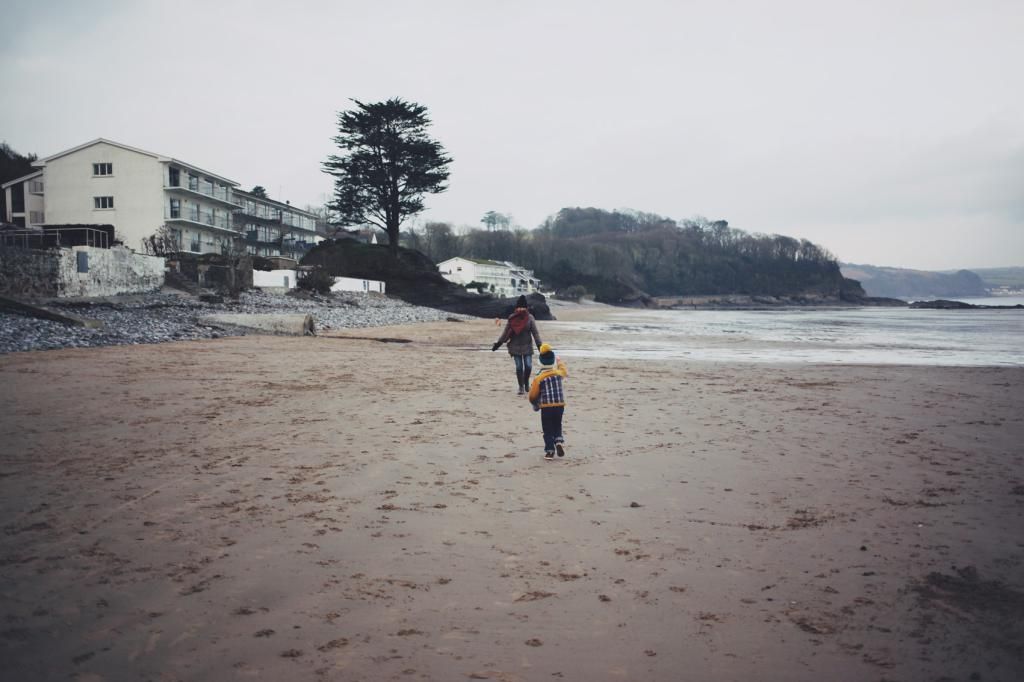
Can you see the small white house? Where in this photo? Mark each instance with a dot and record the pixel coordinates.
(503, 278)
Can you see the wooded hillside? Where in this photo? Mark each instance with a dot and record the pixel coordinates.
(622, 255)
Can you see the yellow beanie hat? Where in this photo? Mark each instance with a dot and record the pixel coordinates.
(544, 348)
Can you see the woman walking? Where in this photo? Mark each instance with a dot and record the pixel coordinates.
(518, 332)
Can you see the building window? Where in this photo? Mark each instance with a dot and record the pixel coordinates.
(103, 169)
(173, 177)
(103, 202)
(175, 209)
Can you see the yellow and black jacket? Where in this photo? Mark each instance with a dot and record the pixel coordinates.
(547, 389)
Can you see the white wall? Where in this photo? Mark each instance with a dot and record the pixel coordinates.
(352, 284)
(111, 272)
(274, 278)
(136, 185)
(458, 270)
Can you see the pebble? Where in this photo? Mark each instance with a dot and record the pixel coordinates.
(161, 317)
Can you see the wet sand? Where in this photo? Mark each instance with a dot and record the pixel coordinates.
(348, 509)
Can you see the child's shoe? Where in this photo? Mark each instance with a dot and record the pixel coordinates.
(560, 449)
(549, 455)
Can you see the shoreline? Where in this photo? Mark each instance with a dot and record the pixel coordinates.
(336, 507)
(163, 317)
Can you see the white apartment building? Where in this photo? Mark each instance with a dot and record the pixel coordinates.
(505, 279)
(106, 182)
(272, 228)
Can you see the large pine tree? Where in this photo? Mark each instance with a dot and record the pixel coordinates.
(388, 164)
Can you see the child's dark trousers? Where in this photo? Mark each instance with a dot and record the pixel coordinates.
(551, 422)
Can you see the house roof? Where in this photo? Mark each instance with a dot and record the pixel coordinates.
(484, 261)
(15, 181)
(98, 140)
(278, 204)
(159, 157)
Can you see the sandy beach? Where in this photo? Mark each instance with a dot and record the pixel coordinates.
(346, 508)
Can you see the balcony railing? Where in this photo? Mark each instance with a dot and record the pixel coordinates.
(195, 215)
(206, 189)
(50, 237)
(276, 215)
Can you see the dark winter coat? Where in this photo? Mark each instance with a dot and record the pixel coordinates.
(519, 344)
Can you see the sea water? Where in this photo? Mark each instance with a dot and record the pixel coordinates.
(812, 335)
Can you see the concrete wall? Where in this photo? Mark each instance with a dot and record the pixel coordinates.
(352, 284)
(110, 272)
(55, 272)
(214, 271)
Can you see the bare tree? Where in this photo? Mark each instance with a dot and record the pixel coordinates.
(164, 242)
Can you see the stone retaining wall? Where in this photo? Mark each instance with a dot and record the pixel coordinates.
(27, 272)
(78, 271)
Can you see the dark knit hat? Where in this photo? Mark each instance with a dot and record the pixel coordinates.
(521, 303)
(547, 356)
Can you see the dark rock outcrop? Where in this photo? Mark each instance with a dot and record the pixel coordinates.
(943, 304)
(501, 307)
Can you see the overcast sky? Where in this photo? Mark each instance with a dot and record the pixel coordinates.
(892, 133)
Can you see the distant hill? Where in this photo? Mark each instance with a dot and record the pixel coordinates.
(627, 257)
(915, 284)
(1002, 278)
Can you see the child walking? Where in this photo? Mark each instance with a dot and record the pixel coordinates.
(547, 394)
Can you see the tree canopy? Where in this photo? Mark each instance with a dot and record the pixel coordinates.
(387, 165)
